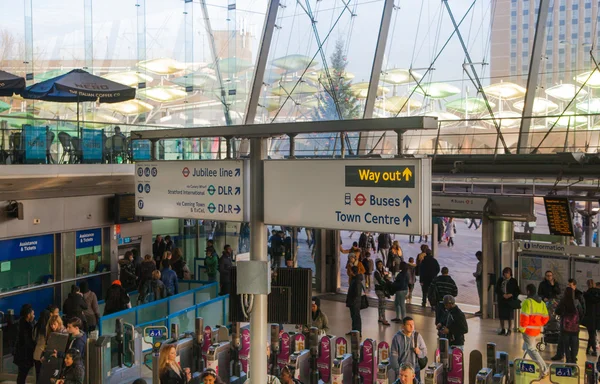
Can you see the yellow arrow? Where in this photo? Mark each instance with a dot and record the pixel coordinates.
(407, 174)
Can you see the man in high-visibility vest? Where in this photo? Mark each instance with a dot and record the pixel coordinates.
(534, 315)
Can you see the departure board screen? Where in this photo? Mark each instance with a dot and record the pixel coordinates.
(558, 211)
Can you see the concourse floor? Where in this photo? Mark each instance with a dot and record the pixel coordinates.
(480, 332)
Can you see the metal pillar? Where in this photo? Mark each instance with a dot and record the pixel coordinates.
(258, 252)
(434, 237)
(261, 62)
(503, 231)
(154, 149)
(88, 35)
(384, 28)
(216, 59)
(534, 74)
(487, 248)
(28, 32)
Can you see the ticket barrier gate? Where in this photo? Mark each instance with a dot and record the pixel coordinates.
(329, 348)
(500, 364)
(564, 373)
(188, 346)
(236, 371)
(484, 376)
(590, 373)
(115, 357)
(383, 357)
(434, 374)
(526, 371)
(341, 366)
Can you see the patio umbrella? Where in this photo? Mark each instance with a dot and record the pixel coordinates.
(77, 86)
(10, 84)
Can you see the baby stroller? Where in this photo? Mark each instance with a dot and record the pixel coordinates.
(551, 332)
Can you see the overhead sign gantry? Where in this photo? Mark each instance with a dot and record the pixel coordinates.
(392, 196)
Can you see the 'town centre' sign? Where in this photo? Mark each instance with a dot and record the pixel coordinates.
(391, 196)
(211, 190)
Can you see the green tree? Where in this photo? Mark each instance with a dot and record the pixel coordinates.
(336, 89)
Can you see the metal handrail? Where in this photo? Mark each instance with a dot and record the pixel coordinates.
(46, 285)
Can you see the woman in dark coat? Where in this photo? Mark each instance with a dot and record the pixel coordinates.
(507, 290)
(571, 312)
(73, 371)
(353, 298)
(591, 320)
(177, 263)
(25, 344)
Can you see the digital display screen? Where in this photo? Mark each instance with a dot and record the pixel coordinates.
(558, 212)
(124, 208)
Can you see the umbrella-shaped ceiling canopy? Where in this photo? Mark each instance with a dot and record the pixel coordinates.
(78, 86)
(10, 84)
(292, 63)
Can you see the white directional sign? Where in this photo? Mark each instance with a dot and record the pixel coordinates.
(392, 196)
(211, 190)
(458, 203)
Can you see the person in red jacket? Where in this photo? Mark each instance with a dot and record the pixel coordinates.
(534, 315)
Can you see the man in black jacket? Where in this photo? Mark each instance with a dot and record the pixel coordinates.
(25, 344)
(158, 248)
(453, 324)
(549, 289)
(441, 286)
(225, 264)
(74, 306)
(428, 270)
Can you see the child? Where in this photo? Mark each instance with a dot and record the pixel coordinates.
(411, 277)
(368, 265)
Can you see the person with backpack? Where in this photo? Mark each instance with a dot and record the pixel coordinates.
(277, 249)
(75, 305)
(534, 315)
(571, 313)
(382, 281)
(441, 286)
(157, 287)
(407, 347)
(169, 278)
(366, 242)
(368, 265)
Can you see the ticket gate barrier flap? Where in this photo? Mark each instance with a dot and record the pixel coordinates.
(526, 371)
(434, 374)
(300, 365)
(456, 374)
(245, 348)
(327, 351)
(218, 358)
(382, 373)
(591, 373)
(484, 376)
(499, 378)
(490, 357)
(564, 373)
(104, 360)
(511, 372)
(367, 367)
(341, 370)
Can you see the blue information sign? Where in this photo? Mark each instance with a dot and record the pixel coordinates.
(35, 144)
(154, 332)
(141, 150)
(92, 145)
(526, 367)
(564, 371)
(89, 238)
(26, 247)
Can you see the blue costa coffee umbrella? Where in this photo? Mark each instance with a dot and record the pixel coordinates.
(10, 84)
